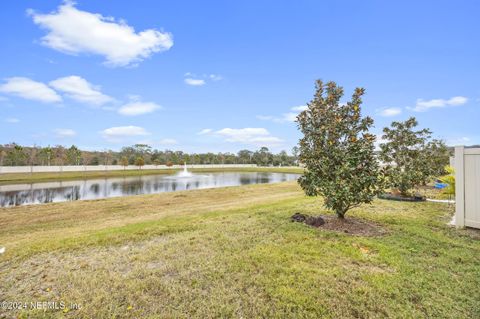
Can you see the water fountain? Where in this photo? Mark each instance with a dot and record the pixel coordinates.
(185, 172)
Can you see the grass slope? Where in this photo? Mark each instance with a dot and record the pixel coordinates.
(233, 252)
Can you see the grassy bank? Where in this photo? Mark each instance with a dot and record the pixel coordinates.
(233, 252)
(11, 178)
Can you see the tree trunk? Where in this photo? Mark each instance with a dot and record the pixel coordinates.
(341, 213)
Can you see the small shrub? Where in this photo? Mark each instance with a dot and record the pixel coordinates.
(410, 156)
(449, 179)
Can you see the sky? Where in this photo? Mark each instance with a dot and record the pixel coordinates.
(222, 76)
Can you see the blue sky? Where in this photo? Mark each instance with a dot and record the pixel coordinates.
(227, 75)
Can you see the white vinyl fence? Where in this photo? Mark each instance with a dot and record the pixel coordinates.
(92, 168)
(467, 187)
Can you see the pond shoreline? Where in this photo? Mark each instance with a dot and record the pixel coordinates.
(16, 178)
(21, 194)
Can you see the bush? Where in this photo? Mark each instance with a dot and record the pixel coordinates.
(410, 156)
(449, 179)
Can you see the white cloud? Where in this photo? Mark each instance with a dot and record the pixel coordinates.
(457, 100)
(288, 117)
(123, 134)
(299, 108)
(194, 82)
(389, 111)
(253, 136)
(79, 89)
(138, 108)
(205, 131)
(284, 118)
(12, 120)
(215, 77)
(168, 141)
(425, 105)
(242, 134)
(65, 132)
(74, 31)
(125, 131)
(30, 90)
(200, 80)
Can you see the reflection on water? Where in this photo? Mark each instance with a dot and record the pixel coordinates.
(39, 193)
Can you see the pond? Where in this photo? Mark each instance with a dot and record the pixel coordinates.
(62, 191)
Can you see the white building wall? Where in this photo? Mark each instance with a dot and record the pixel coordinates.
(467, 187)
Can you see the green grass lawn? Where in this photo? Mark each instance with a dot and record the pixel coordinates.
(233, 252)
(10, 178)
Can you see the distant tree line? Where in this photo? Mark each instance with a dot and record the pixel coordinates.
(14, 154)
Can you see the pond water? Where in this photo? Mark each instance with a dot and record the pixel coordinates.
(62, 191)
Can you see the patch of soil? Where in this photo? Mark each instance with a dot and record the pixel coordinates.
(350, 225)
(426, 187)
(472, 233)
(309, 220)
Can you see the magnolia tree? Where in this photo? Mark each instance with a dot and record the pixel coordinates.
(411, 156)
(437, 157)
(337, 150)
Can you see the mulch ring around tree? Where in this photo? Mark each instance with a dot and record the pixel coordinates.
(349, 225)
(398, 197)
